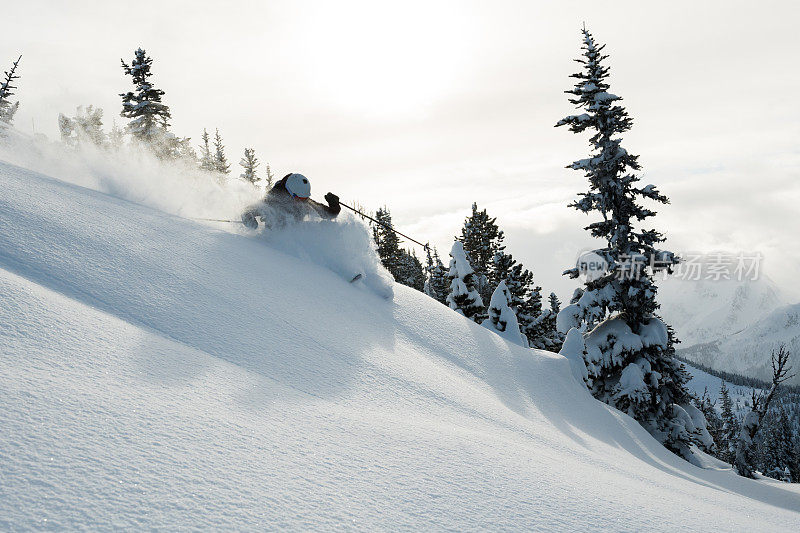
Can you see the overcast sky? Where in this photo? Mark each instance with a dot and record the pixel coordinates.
(428, 106)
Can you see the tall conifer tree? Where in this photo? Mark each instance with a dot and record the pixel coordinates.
(148, 115)
(249, 163)
(482, 239)
(7, 109)
(626, 354)
(221, 164)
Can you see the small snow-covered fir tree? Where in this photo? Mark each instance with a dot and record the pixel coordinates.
(86, 127)
(626, 344)
(410, 271)
(777, 446)
(206, 157)
(502, 318)
(707, 407)
(501, 266)
(730, 426)
(436, 282)
(404, 266)
(116, 137)
(387, 242)
(482, 240)
(7, 87)
(536, 329)
(220, 161)
(463, 297)
(148, 115)
(574, 349)
(249, 163)
(553, 337)
(519, 281)
(269, 180)
(555, 303)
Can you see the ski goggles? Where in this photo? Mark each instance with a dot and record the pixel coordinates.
(304, 198)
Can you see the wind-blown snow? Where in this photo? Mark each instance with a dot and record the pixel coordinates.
(162, 374)
(132, 174)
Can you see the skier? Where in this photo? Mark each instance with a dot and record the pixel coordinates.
(288, 200)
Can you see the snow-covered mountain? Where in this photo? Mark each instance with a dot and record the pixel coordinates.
(702, 311)
(747, 352)
(159, 373)
(732, 325)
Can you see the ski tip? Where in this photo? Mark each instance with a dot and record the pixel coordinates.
(356, 278)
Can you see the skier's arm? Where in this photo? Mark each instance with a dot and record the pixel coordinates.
(249, 216)
(327, 211)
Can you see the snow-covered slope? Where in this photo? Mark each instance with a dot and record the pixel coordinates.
(157, 373)
(704, 383)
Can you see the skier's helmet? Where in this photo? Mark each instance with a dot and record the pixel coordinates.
(298, 186)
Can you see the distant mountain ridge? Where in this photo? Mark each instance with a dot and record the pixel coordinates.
(731, 325)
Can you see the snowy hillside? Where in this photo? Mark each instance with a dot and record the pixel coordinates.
(703, 382)
(159, 373)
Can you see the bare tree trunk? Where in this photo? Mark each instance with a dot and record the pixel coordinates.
(743, 461)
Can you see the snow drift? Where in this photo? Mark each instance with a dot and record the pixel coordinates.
(158, 373)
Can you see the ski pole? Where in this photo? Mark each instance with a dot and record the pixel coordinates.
(218, 220)
(425, 246)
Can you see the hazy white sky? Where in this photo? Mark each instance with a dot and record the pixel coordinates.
(428, 106)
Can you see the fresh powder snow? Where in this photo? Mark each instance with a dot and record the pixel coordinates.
(163, 373)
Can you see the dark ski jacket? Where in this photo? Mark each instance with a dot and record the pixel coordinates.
(278, 206)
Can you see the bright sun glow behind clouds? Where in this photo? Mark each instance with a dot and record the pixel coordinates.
(384, 59)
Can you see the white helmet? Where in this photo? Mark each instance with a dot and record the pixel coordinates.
(298, 186)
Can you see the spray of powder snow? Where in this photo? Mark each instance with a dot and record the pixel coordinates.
(133, 174)
(343, 246)
(179, 188)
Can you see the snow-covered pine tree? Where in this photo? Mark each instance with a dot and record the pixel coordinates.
(555, 303)
(85, 127)
(626, 351)
(537, 329)
(116, 137)
(148, 115)
(411, 272)
(270, 177)
(463, 297)
(7, 109)
(519, 281)
(730, 426)
(502, 318)
(249, 163)
(387, 242)
(501, 266)
(713, 422)
(778, 446)
(206, 157)
(219, 159)
(482, 239)
(436, 282)
(554, 338)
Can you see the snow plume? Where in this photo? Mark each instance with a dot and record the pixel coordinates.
(133, 174)
(344, 246)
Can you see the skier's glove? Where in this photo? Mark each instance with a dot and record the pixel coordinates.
(333, 201)
(249, 221)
